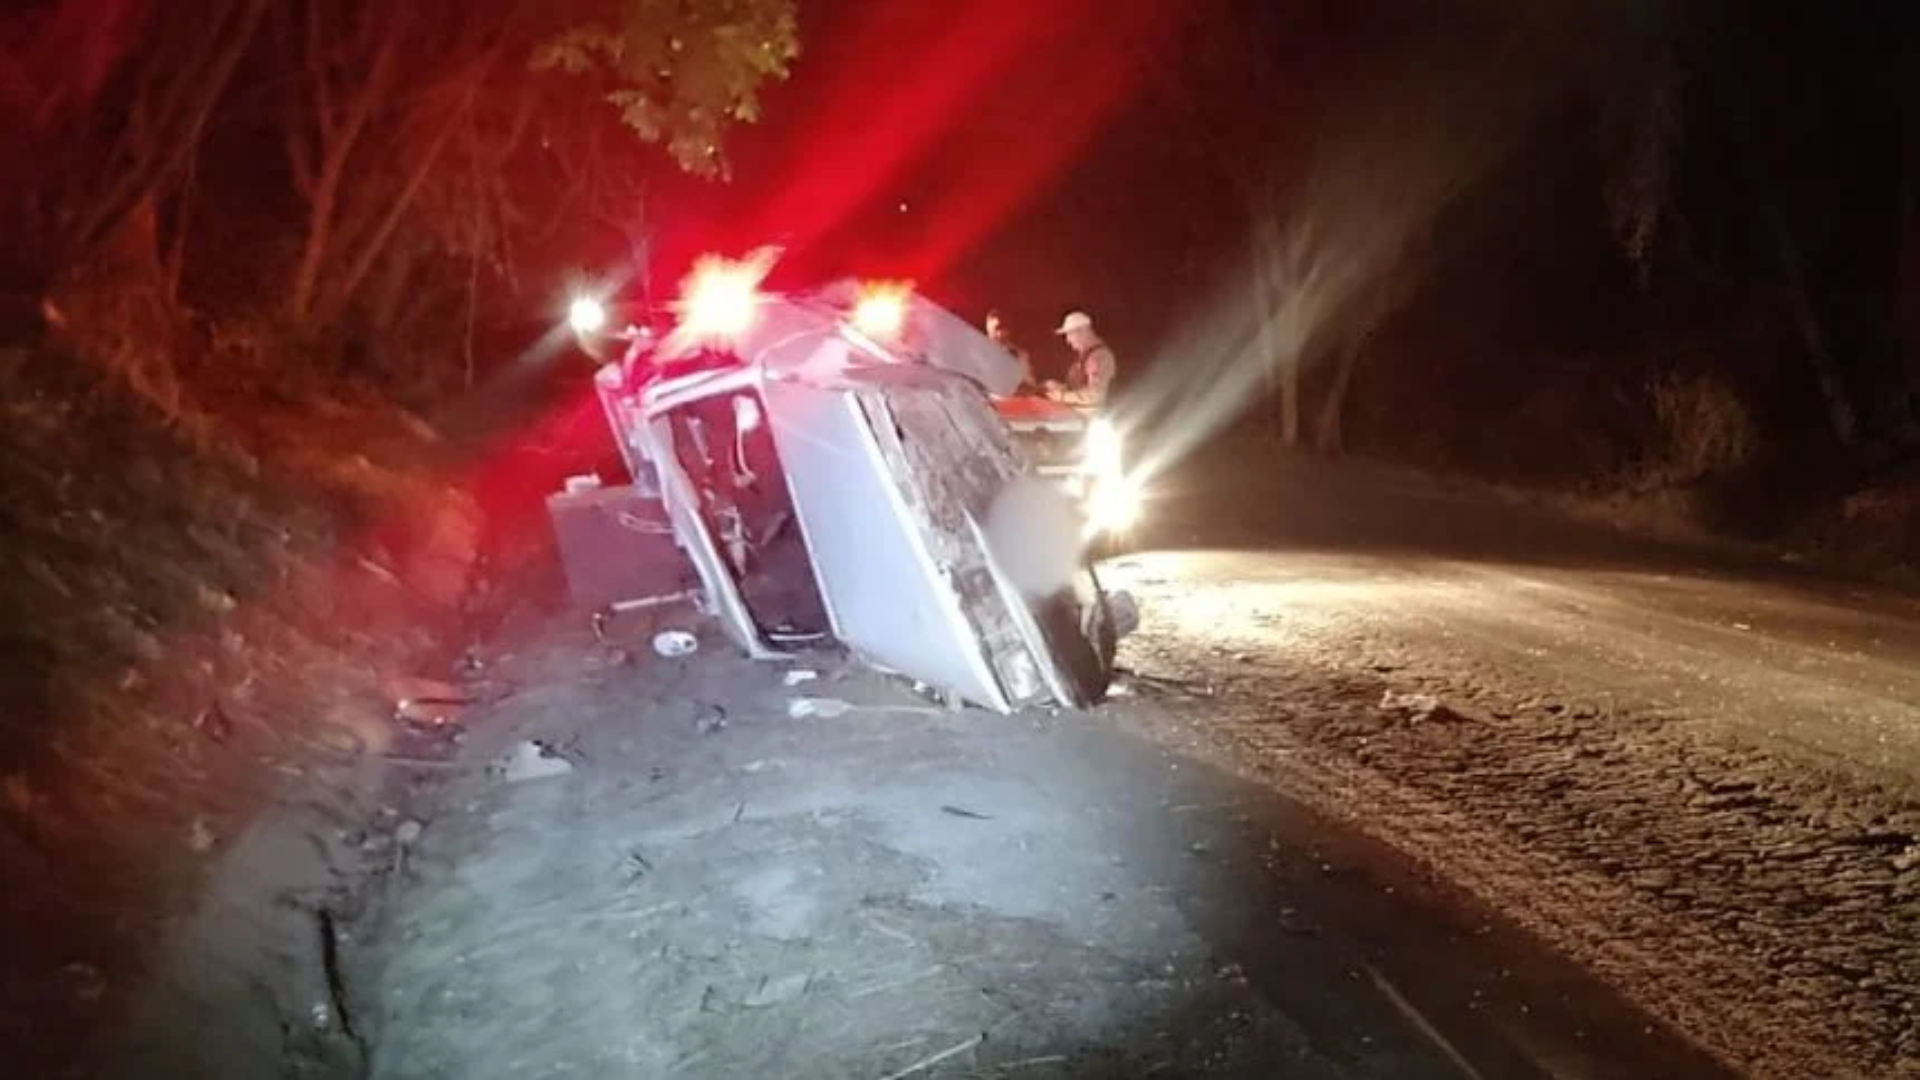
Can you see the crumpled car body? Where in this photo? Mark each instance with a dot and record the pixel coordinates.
(826, 484)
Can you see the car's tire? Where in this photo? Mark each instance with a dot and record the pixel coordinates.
(1080, 628)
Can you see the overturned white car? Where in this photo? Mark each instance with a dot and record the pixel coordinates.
(833, 466)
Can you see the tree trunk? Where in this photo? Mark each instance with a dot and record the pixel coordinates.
(184, 92)
(1290, 401)
(1906, 301)
(362, 262)
(468, 366)
(1840, 411)
(338, 136)
(1841, 416)
(305, 287)
(1328, 437)
(394, 284)
(1279, 366)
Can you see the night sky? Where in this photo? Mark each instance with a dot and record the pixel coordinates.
(1042, 167)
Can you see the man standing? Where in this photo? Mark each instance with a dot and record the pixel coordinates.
(997, 333)
(1094, 365)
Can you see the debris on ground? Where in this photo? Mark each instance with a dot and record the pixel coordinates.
(1416, 704)
(532, 760)
(200, 837)
(1696, 854)
(425, 702)
(673, 644)
(828, 708)
(1167, 684)
(778, 991)
(906, 891)
(804, 708)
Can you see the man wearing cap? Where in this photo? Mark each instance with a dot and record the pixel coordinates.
(1094, 366)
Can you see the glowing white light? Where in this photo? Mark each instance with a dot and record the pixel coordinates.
(1113, 507)
(746, 414)
(1105, 451)
(721, 298)
(881, 311)
(587, 315)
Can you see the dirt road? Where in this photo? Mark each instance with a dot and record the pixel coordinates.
(714, 888)
(1697, 776)
(1397, 787)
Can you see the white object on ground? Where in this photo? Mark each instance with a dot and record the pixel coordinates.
(529, 761)
(826, 708)
(798, 676)
(1412, 703)
(672, 643)
(200, 838)
(642, 603)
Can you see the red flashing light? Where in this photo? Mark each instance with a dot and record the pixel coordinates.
(720, 298)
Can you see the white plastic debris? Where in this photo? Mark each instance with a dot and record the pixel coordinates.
(675, 643)
(531, 761)
(799, 676)
(1421, 704)
(803, 708)
(201, 837)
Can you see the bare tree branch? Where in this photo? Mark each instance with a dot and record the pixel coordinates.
(154, 156)
(371, 250)
(339, 141)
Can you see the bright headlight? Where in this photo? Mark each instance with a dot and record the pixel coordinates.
(1113, 506)
(1106, 456)
(586, 315)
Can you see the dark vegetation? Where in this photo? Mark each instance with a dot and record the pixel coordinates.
(1658, 255)
(250, 251)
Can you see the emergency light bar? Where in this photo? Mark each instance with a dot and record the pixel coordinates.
(720, 298)
(880, 312)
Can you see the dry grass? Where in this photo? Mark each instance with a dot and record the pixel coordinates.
(185, 613)
(1706, 430)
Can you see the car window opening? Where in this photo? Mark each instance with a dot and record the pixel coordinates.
(725, 446)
